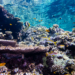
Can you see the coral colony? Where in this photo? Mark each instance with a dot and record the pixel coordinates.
(26, 50)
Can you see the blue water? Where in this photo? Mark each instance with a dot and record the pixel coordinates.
(43, 12)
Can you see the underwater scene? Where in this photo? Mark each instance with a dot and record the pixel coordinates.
(37, 37)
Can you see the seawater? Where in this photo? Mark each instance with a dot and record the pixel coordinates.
(43, 12)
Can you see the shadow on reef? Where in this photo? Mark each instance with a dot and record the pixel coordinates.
(9, 23)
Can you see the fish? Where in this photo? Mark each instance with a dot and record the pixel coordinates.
(34, 31)
(73, 22)
(49, 24)
(32, 38)
(74, 26)
(52, 41)
(2, 64)
(4, 28)
(54, 72)
(51, 53)
(60, 18)
(10, 24)
(39, 20)
(47, 30)
(34, 18)
(27, 25)
(53, 16)
(55, 43)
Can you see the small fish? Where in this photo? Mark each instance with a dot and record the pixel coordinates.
(61, 45)
(50, 53)
(10, 24)
(34, 31)
(52, 15)
(32, 38)
(34, 18)
(27, 25)
(47, 30)
(54, 72)
(4, 28)
(73, 22)
(60, 18)
(55, 43)
(2, 64)
(39, 20)
(49, 24)
(74, 26)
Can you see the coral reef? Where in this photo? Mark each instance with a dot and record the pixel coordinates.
(37, 51)
(7, 42)
(50, 49)
(9, 23)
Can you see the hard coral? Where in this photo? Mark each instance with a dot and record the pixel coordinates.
(7, 42)
(58, 68)
(73, 30)
(55, 25)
